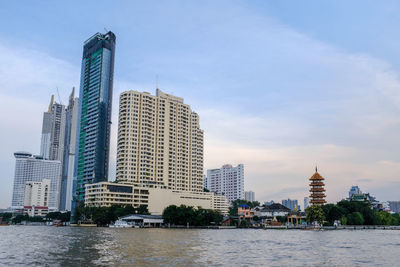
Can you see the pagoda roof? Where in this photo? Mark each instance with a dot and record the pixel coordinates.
(316, 176)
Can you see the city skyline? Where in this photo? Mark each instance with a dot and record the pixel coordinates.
(278, 94)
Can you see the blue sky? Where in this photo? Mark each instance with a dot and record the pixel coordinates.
(279, 85)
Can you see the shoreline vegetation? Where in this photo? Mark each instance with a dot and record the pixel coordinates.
(357, 215)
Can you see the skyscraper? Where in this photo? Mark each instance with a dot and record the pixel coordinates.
(94, 118)
(227, 180)
(53, 130)
(160, 143)
(29, 168)
(71, 117)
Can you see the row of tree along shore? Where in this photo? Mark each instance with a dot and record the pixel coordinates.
(350, 213)
(344, 213)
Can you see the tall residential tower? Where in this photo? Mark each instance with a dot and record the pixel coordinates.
(227, 180)
(94, 118)
(160, 143)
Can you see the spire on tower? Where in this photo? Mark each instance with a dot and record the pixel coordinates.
(51, 103)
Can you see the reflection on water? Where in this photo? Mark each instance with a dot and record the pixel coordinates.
(69, 246)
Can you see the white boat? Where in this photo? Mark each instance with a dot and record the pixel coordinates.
(120, 224)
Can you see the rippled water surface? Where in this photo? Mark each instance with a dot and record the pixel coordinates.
(72, 246)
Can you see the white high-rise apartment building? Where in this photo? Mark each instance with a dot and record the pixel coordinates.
(249, 196)
(37, 193)
(160, 143)
(227, 180)
(29, 168)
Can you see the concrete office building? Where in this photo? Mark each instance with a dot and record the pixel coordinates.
(290, 204)
(105, 194)
(227, 180)
(94, 117)
(249, 196)
(160, 143)
(29, 168)
(71, 118)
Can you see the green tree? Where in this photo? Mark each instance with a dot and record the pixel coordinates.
(315, 213)
(244, 224)
(142, 209)
(6, 216)
(355, 218)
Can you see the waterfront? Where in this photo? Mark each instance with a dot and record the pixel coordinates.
(69, 246)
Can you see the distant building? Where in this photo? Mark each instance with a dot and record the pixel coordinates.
(227, 180)
(105, 194)
(290, 204)
(71, 119)
(306, 202)
(53, 130)
(354, 190)
(394, 206)
(29, 168)
(249, 196)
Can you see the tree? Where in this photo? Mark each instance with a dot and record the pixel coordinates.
(315, 213)
(244, 224)
(142, 209)
(184, 215)
(355, 218)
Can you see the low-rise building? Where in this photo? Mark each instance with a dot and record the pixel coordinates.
(245, 212)
(105, 194)
(36, 210)
(273, 210)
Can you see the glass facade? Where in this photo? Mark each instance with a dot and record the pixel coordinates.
(94, 118)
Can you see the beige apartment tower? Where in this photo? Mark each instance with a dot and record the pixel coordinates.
(160, 143)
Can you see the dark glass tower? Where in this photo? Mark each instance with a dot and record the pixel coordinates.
(94, 117)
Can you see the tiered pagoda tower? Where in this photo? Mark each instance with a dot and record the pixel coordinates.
(317, 190)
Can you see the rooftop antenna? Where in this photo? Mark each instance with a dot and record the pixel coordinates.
(58, 93)
(316, 168)
(156, 81)
(105, 29)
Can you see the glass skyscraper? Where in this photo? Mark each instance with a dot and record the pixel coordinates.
(94, 117)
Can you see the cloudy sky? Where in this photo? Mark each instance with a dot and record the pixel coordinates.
(280, 86)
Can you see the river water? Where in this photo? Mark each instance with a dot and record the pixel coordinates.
(77, 246)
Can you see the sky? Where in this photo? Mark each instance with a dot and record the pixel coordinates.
(280, 86)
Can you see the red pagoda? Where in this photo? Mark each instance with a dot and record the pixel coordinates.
(317, 190)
